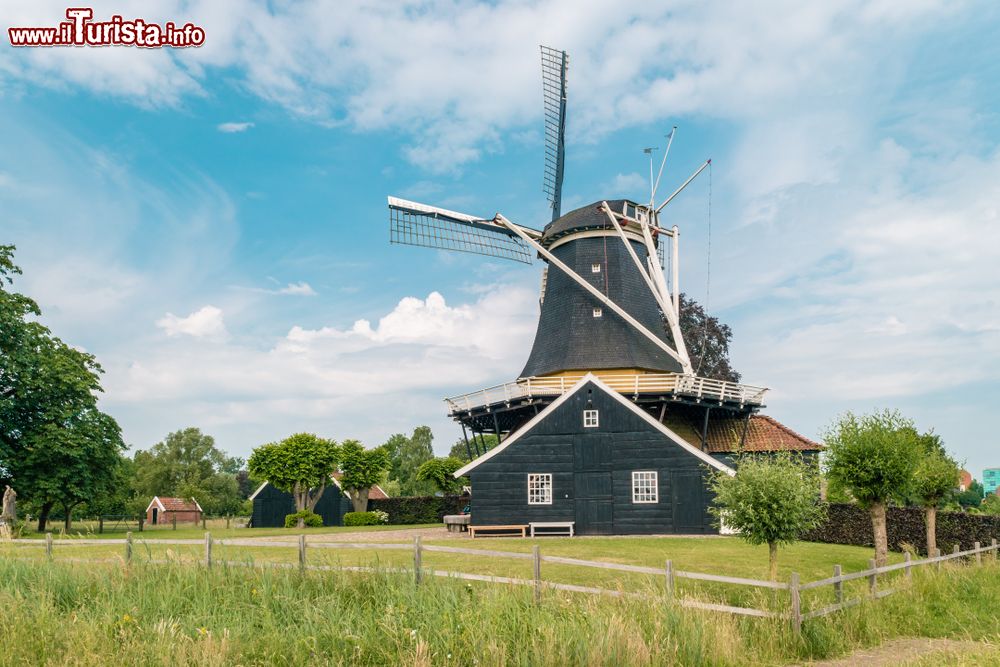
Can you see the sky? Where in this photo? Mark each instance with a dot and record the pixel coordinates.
(211, 222)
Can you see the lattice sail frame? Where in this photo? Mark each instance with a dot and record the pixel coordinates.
(417, 225)
(555, 63)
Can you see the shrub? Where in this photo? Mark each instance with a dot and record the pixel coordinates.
(311, 519)
(419, 509)
(373, 518)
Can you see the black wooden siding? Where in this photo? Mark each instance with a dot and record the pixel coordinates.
(272, 505)
(592, 474)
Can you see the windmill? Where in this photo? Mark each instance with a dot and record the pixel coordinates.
(606, 306)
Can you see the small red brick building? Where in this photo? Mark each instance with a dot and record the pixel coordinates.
(164, 510)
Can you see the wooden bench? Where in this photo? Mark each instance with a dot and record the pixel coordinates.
(548, 527)
(492, 531)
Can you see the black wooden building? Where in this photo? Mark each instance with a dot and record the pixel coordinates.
(596, 458)
(272, 505)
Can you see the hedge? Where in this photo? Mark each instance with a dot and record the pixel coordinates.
(419, 509)
(851, 524)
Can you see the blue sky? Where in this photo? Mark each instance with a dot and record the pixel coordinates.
(211, 222)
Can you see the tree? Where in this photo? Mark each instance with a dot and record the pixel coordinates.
(301, 465)
(187, 464)
(874, 457)
(441, 473)
(56, 447)
(361, 469)
(770, 500)
(406, 455)
(707, 341)
(991, 505)
(973, 496)
(935, 478)
(461, 452)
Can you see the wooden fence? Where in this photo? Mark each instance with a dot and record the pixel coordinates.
(670, 575)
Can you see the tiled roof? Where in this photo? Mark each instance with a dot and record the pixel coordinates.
(765, 434)
(178, 504)
(374, 493)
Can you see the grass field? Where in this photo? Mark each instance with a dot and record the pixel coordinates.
(74, 614)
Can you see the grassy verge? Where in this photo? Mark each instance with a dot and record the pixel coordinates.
(215, 526)
(62, 613)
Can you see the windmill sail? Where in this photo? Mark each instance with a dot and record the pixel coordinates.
(411, 223)
(554, 66)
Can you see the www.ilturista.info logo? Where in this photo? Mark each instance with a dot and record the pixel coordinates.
(80, 30)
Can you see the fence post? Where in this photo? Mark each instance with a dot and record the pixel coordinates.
(937, 564)
(416, 559)
(796, 611)
(979, 554)
(909, 572)
(838, 586)
(537, 553)
(128, 547)
(208, 550)
(872, 578)
(955, 549)
(302, 552)
(670, 577)
(48, 546)
(994, 544)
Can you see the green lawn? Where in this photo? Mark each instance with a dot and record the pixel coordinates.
(88, 529)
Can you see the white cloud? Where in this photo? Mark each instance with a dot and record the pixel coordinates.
(206, 322)
(297, 289)
(231, 128)
(632, 185)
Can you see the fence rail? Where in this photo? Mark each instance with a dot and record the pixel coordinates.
(795, 614)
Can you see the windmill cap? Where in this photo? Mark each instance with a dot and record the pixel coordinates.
(582, 219)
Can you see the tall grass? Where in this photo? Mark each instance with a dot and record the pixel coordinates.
(73, 614)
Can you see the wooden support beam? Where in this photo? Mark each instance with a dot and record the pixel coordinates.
(704, 430)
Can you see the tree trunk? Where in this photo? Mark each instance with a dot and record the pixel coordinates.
(43, 516)
(931, 521)
(359, 497)
(300, 497)
(312, 502)
(68, 521)
(880, 534)
(772, 552)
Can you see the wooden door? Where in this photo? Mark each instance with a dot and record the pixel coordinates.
(687, 492)
(594, 504)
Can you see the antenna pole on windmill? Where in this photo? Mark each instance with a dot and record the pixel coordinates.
(670, 140)
(693, 176)
(652, 186)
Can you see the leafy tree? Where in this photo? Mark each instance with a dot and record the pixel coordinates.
(770, 500)
(187, 464)
(707, 340)
(973, 496)
(461, 452)
(361, 470)
(441, 473)
(56, 447)
(874, 457)
(991, 505)
(935, 478)
(301, 465)
(406, 455)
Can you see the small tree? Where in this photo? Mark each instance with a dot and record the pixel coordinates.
(935, 478)
(874, 457)
(362, 469)
(300, 464)
(770, 500)
(441, 473)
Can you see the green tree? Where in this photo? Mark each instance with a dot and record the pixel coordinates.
(406, 455)
(461, 452)
(361, 469)
(770, 500)
(874, 457)
(707, 340)
(56, 447)
(187, 464)
(973, 496)
(301, 465)
(935, 478)
(441, 473)
(991, 505)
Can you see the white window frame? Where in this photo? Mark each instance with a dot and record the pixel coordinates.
(591, 419)
(595, 267)
(598, 312)
(541, 484)
(645, 487)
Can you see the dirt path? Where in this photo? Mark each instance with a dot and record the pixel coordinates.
(902, 651)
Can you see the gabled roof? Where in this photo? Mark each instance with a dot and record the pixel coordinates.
(590, 378)
(375, 493)
(167, 504)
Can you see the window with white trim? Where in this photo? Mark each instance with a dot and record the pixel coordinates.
(595, 267)
(645, 487)
(539, 488)
(598, 312)
(590, 418)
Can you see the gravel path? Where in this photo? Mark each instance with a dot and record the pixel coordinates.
(401, 535)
